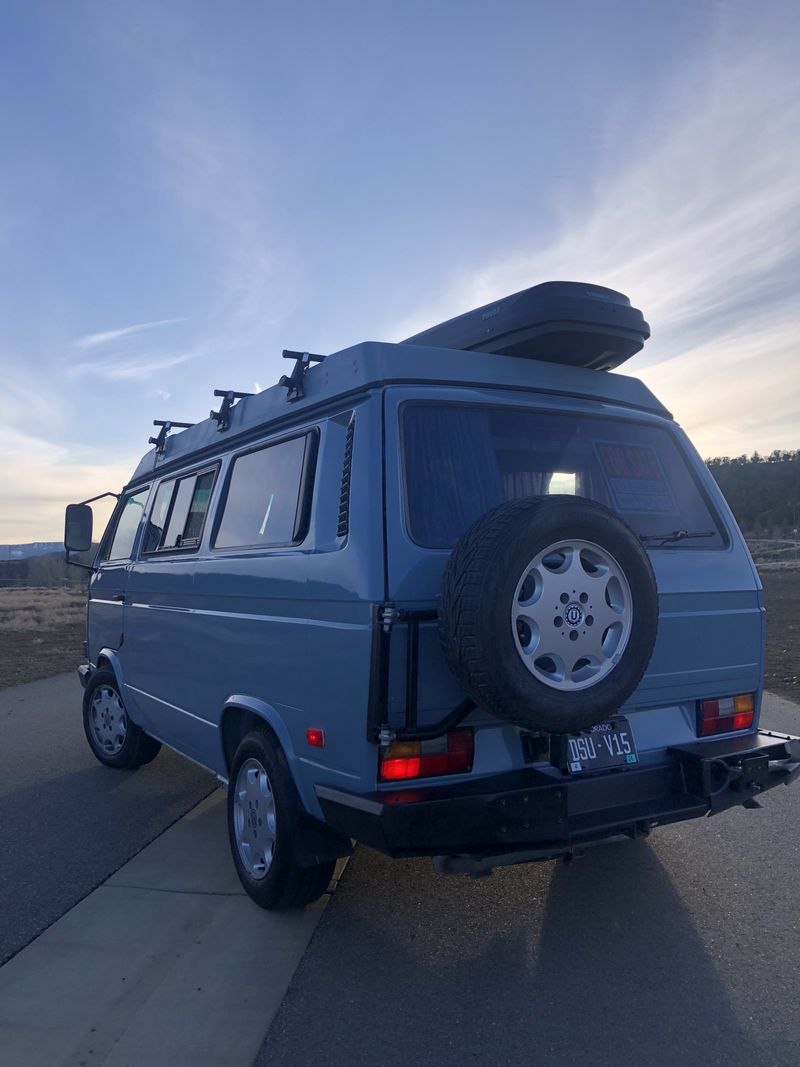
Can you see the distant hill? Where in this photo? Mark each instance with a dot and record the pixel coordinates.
(763, 491)
(47, 569)
(36, 548)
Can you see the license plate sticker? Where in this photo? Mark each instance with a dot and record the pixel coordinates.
(606, 745)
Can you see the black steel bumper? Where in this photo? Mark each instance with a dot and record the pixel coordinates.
(544, 811)
(85, 673)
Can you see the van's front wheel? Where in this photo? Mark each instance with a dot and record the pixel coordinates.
(260, 828)
(113, 738)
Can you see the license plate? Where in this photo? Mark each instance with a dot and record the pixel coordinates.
(608, 744)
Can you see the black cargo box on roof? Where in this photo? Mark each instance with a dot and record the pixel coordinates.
(559, 322)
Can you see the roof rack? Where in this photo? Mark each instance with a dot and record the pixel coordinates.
(166, 425)
(294, 381)
(223, 416)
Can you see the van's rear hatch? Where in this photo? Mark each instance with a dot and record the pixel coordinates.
(456, 453)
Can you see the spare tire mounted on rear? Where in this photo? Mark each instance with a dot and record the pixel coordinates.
(548, 612)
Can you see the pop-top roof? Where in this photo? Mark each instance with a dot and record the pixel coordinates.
(371, 364)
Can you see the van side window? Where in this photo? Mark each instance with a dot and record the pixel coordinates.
(262, 503)
(127, 525)
(179, 512)
(198, 506)
(181, 502)
(158, 516)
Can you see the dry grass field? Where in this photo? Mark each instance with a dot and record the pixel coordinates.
(42, 630)
(775, 555)
(782, 596)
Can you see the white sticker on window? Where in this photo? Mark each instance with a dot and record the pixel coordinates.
(266, 515)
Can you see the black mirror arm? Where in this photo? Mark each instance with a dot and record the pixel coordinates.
(74, 562)
(102, 496)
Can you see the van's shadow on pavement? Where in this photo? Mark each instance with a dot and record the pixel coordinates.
(592, 963)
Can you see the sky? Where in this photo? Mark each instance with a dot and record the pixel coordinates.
(187, 188)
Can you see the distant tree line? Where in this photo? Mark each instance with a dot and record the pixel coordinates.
(763, 491)
(51, 569)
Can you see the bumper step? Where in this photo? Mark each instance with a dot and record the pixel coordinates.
(539, 810)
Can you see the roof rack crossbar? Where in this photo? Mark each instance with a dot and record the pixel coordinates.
(293, 382)
(166, 425)
(223, 416)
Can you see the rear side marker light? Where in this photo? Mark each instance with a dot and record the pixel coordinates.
(451, 754)
(315, 738)
(726, 714)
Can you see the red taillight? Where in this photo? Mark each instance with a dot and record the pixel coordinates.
(396, 768)
(726, 714)
(451, 754)
(315, 738)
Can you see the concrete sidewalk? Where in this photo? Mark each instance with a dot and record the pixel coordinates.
(168, 962)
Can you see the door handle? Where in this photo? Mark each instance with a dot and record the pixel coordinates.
(119, 596)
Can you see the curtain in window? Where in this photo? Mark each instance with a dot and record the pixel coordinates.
(526, 483)
(452, 471)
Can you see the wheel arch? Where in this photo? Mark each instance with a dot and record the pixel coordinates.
(107, 657)
(315, 840)
(240, 715)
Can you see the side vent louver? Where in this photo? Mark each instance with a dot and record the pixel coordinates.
(344, 495)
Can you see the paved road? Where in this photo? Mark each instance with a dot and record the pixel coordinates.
(66, 822)
(682, 949)
(679, 950)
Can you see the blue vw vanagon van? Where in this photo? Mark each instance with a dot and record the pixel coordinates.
(472, 596)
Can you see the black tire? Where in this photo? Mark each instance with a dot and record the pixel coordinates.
(286, 884)
(478, 589)
(137, 748)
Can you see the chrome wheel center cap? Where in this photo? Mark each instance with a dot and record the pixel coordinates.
(573, 613)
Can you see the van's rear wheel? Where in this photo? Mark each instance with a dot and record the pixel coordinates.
(113, 738)
(261, 829)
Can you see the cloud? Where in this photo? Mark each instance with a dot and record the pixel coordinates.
(214, 163)
(198, 150)
(44, 467)
(698, 223)
(92, 340)
(132, 366)
(733, 395)
(41, 477)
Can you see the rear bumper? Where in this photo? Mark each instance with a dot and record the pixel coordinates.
(85, 673)
(543, 811)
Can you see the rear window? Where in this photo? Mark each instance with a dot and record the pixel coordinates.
(461, 461)
(262, 505)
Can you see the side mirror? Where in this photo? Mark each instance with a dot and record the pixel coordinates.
(78, 528)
